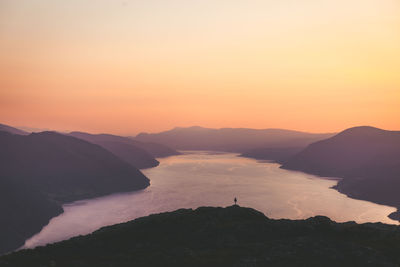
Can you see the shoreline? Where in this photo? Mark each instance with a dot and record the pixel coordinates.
(393, 216)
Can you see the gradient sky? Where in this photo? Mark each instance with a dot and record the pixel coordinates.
(130, 66)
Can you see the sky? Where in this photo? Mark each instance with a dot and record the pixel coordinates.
(130, 66)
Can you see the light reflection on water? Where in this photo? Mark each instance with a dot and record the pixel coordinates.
(214, 179)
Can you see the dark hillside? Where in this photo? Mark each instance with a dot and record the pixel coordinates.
(231, 236)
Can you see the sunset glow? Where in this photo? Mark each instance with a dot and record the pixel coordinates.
(129, 66)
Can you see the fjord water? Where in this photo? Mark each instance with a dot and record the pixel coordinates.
(213, 179)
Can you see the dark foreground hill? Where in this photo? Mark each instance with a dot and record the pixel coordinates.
(40, 171)
(230, 139)
(231, 236)
(367, 158)
(139, 154)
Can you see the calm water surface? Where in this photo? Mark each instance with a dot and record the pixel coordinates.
(214, 179)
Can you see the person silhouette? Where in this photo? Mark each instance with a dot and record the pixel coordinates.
(235, 200)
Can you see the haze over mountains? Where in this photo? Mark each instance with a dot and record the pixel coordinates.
(13, 130)
(155, 149)
(41, 171)
(230, 139)
(139, 154)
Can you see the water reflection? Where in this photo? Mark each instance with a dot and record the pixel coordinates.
(214, 179)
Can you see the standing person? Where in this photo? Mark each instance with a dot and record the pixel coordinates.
(235, 200)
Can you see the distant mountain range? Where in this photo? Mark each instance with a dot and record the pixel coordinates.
(43, 170)
(154, 149)
(231, 236)
(13, 130)
(139, 154)
(40, 171)
(230, 139)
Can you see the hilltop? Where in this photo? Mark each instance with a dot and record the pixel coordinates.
(231, 236)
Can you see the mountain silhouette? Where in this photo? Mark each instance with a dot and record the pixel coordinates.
(231, 236)
(13, 130)
(66, 167)
(40, 171)
(367, 158)
(140, 154)
(132, 154)
(230, 139)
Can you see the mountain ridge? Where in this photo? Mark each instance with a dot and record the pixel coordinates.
(13, 130)
(117, 145)
(154, 149)
(230, 139)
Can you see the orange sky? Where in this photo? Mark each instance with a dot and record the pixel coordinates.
(130, 66)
